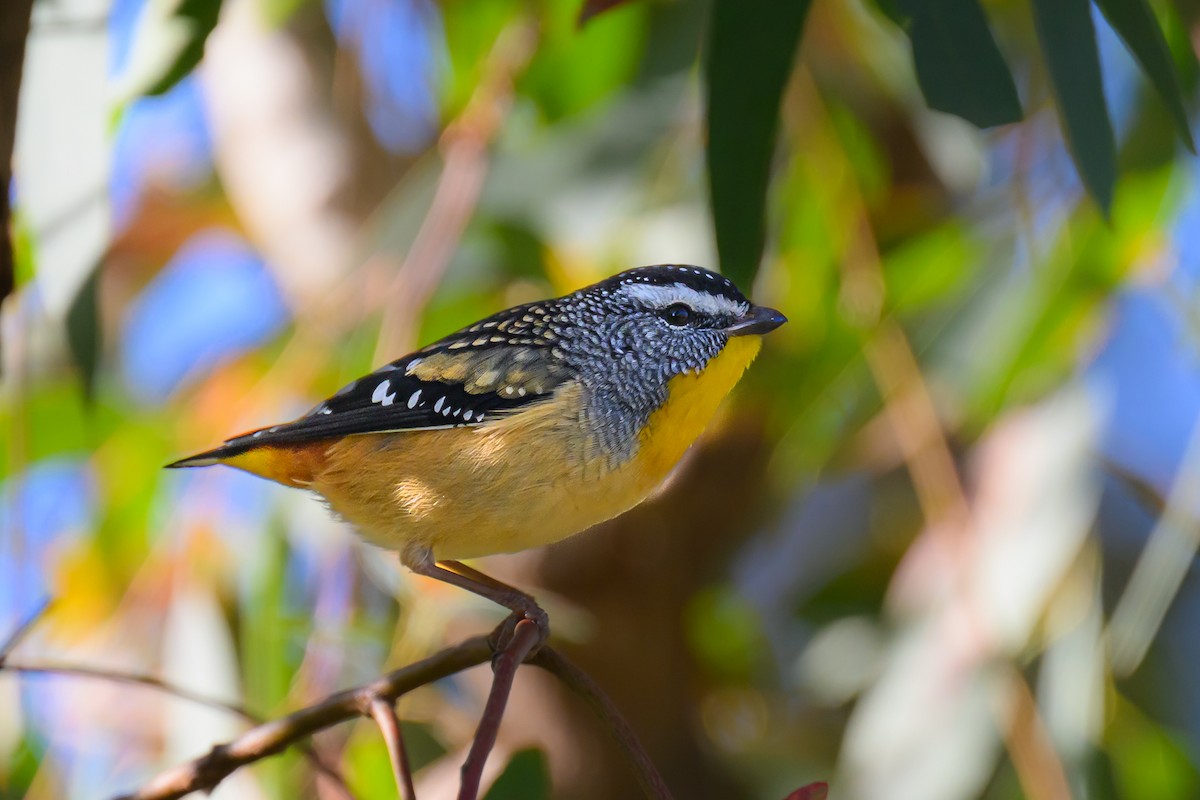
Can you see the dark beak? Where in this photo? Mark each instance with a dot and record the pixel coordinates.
(758, 320)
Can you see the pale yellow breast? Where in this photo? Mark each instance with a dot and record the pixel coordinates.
(525, 480)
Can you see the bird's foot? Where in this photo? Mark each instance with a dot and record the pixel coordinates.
(502, 636)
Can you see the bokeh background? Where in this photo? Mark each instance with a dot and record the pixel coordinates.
(940, 544)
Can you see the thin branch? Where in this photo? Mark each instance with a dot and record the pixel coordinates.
(206, 772)
(1038, 767)
(157, 684)
(269, 738)
(383, 711)
(525, 637)
(578, 681)
(130, 679)
(23, 629)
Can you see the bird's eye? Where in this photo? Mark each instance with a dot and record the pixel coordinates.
(677, 315)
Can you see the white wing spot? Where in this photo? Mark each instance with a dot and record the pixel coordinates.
(467, 415)
(326, 410)
(412, 401)
(521, 391)
(438, 405)
(381, 396)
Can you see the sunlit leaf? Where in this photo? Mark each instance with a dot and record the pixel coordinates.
(927, 269)
(1068, 43)
(751, 47)
(169, 43)
(1134, 21)
(471, 30)
(1147, 760)
(525, 778)
(959, 66)
(574, 69)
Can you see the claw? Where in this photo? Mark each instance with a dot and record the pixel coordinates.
(502, 636)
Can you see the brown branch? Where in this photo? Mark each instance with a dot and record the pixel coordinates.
(129, 679)
(376, 699)
(23, 630)
(578, 681)
(383, 711)
(150, 682)
(272, 737)
(526, 636)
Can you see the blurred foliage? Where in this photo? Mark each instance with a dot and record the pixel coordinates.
(994, 189)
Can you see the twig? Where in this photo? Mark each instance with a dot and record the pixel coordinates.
(130, 679)
(525, 637)
(581, 683)
(206, 772)
(383, 711)
(150, 682)
(23, 629)
(269, 738)
(1037, 765)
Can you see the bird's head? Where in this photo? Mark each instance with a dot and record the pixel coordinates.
(658, 322)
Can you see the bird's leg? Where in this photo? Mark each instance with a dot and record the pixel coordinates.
(458, 574)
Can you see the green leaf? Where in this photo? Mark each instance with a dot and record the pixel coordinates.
(574, 68)
(168, 44)
(751, 47)
(524, 778)
(1134, 22)
(1068, 42)
(959, 66)
(83, 332)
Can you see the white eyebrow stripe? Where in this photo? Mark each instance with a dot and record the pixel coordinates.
(664, 296)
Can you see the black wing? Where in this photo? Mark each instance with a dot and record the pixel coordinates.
(498, 365)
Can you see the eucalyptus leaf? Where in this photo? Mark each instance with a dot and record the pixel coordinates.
(83, 332)
(959, 66)
(1068, 43)
(525, 777)
(751, 47)
(1134, 22)
(169, 43)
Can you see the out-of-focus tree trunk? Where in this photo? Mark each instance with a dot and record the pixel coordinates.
(14, 29)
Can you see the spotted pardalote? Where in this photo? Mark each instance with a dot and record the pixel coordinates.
(523, 428)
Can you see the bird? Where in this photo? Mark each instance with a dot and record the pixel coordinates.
(522, 429)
